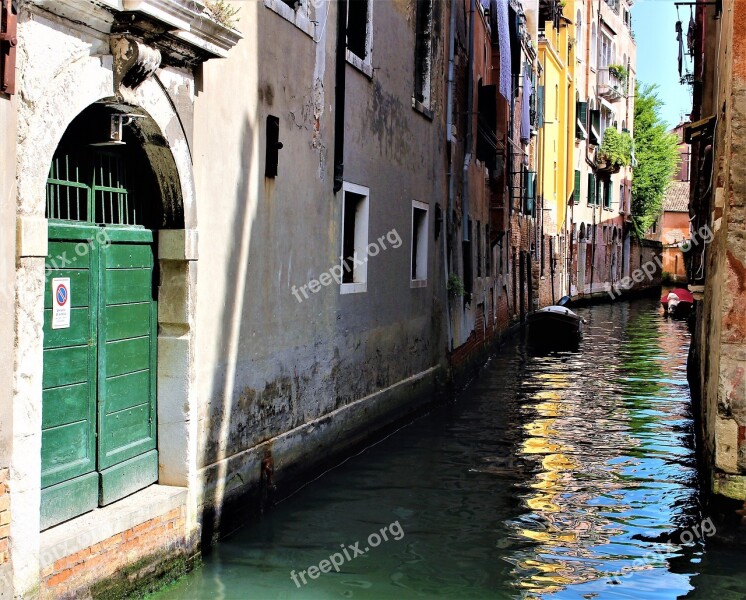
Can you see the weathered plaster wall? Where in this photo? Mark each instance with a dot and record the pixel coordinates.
(7, 293)
(267, 363)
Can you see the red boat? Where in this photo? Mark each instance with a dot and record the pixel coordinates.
(677, 302)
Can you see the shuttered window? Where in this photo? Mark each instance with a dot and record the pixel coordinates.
(591, 189)
(576, 192)
(581, 124)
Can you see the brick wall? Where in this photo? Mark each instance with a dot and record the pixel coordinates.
(4, 516)
(156, 548)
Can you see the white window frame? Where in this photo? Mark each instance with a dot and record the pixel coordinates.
(364, 64)
(301, 17)
(360, 272)
(422, 249)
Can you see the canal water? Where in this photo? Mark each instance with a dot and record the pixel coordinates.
(569, 475)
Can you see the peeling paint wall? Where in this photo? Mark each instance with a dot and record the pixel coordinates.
(273, 371)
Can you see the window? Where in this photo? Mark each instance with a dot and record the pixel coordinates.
(359, 34)
(621, 198)
(579, 35)
(295, 11)
(419, 244)
(608, 194)
(591, 189)
(594, 45)
(422, 49)
(354, 238)
(556, 103)
(581, 125)
(576, 192)
(479, 249)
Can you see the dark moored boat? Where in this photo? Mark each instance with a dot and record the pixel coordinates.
(677, 303)
(555, 324)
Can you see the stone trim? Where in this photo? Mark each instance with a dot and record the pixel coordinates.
(70, 538)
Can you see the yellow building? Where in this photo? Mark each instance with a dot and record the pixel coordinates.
(556, 145)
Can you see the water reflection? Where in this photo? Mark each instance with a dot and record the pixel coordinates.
(566, 475)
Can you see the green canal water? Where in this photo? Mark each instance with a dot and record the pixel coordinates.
(570, 475)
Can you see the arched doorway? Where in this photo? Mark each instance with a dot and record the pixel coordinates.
(99, 419)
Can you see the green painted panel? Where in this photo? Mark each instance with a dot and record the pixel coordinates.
(128, 285)
(126, 391)
(66, 452)
(126, 356)
(128, 256)
(69, 499)
(79, 332)
(65, 230)
(127, 426)
(127, 320)
(128, 477)
(65, 366)
(69, 254)
(80, 293)
(129, 234)
(63, 405)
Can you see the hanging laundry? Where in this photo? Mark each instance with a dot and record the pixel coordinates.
(526, 106)
(691, 35)
(680, 40)
(503, 35)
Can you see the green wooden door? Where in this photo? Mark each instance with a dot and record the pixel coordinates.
(99, 387)
(68, 462)
(127, 457)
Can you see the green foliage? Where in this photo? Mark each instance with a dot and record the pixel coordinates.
(616, 148)
(222, 12)
(455, 285)
(620, 72)
(657, 155)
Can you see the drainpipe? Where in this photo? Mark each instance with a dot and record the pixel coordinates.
(339, 95)
(449, 138)
(469, 127)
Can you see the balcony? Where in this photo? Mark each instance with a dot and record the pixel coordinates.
(611, 86)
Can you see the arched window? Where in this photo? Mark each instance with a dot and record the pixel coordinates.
(579, 35)
(594, 43)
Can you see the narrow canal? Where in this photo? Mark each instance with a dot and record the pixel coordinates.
(564, 476)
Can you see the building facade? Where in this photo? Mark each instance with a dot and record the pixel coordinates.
(715, 264)
(241, 239)
(605, 55)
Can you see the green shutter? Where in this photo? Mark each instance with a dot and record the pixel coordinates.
(591, 189)
(581, 110)
(594, 129)
(576, 191)
(529, 192)
(540, 107)
(607, 194)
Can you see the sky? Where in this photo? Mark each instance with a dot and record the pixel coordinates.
(654, 22)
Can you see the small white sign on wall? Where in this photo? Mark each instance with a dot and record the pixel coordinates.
(61, 303)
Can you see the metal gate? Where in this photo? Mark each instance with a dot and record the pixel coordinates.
(100, 330)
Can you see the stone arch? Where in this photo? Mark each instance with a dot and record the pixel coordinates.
(44, 114)
(160, 132)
